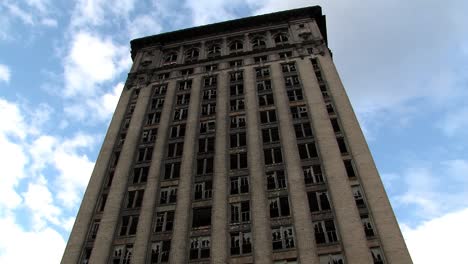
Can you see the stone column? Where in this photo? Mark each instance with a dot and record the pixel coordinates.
(386, 225)
(144, 230)
(347, 216)
(261, 232)
(304, 230)
(183, 210)
(219, 233)
(88, 205)
(110, 219)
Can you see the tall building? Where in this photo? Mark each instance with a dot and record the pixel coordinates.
(235, 142)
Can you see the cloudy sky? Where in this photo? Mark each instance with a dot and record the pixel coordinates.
(63, 65)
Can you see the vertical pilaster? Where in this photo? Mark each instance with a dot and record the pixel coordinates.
(347, 216)
(392, 241)
(144, 230)
(91, 195)
(183, 210)
(219, 234)
(306, 246)
(260, 218)
(110, 218)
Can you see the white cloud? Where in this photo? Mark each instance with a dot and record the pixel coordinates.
(99, 12)
(5, 73)
(439, 240)
(144, 25)
(16, 11)
(50, 22)
(455, 122)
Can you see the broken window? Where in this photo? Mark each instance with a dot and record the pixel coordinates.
(200, 247)
(153, 118)
(240, 212)
(238, 161)
(325, 232)
(281, 38)
(168, 195)
(265, 99)
(270, 135)
(115, 159)
(330, 109)
(94, 229)
(209, 94)
(178, 131)
(204, 166)
(149, 135)
(86, 255)
(209, 81)
(213, 51)
(160, 251)
(290, 81)
(264, 85)
(237, 89)
(206, 145)
(358, 198)
(201, 217)
(268, 116)
(285, 55)
(170, 58)
(282, 237)
(258, 43)
(140, 174)
(122, 254)
(377, 255)
(145, 154)
(318, 201)
(261, 59)
(238, 140)
(164, 221)
(272, 156)
(331, 259)
(288, 67)
(349, 168)
(192, 54)
(109, 179)
(121, 140)
(186, 72)
(126, 124)
(131, 108)
(262, 72)
(237, 104)
(203, 190)
(102, 203)
(342, 145)
(239, 185)
(236, 76)
(241, 243)
(237, 121)
(207, 126)
(313, 174)
(299, 112)
(295, 95)
(303, 130)
(307, 150)
(156, 103)
(128, 225)
(335, 125)
(163, 76)
(236, 46)
(367, 224)
(279, 206)
(235, 63)
(276, 180)
(183, 99)
(211, 67)
(180, 114)
(134, 198)
(185, 85)
(208, 109)
(172, 170)
(175, 149)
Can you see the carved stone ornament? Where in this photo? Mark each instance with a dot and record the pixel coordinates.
(147, 58)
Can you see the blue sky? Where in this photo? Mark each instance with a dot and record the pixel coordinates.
(63, 65)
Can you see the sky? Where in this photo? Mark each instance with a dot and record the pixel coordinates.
(63, 65)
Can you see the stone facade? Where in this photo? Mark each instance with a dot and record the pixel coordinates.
(236, 143)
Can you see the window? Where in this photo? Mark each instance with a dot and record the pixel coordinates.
(342, 145)
(153, 118)
(331, 259)
(102, 203)
(209, 81)
(186, 72)
(185, 85)
(235, 63)
(240, 212)
(325, 232)
(131, 108)
(236, 76)
(237, 89)
(330, 109)
(121, 139)
(200, 247)
(161, 77)
(122, 254)
(299, 112)
(206, 145)
(335, 125)
(168, 195)
(86, 255)
(303, 130)
(276, 180)
(307, 150)
(262, 72)
(236, 46)
(238, 140)
(241, 243)
(288, 67)
(239, 185)
(140, 174)
(291, 81)
(313, 174)
(134, 199)
(204, 166)
(160, 251)
(238, 161)
(324, 91)
(201, 217)
(145, 154)
(264, 85)
(318, 74)
(170, 58)
(209, 94)
(237, 104)
(203, 190)
(282, 237)
(126, 123)
(208, 109)
(115, 159)
(191, 54)
(156, 103)
(175, 149)
(149, 135)
(128, 225)
(272, 156)
(268, 116)
(295, 95)
(377, 255)
(164, 221)
(172, 170)
(270, 135)
(213, 51)
(238, 121)
(349, 168)
(94, 229)
(279, 206)
(358, 198)
(207, 126)
(367, 224)
(281, 38)
(285, 55)
(180, 114)
(183, 99)
(261, 59)
(318, 201)
(109, 179)
(258, 43)
(178, 131)
(211, 67)
(160, 89)
(265, 99)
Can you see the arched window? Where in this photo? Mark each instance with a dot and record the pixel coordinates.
(213, 51)
(236, 46)
(192, 54)
(170, 58)
(281, 38)
(258, 43)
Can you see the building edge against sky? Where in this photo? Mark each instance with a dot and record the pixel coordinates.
(235, 142)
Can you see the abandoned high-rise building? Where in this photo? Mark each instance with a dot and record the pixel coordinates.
(235, 142)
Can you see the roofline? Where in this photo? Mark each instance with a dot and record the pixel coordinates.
(314, 12)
